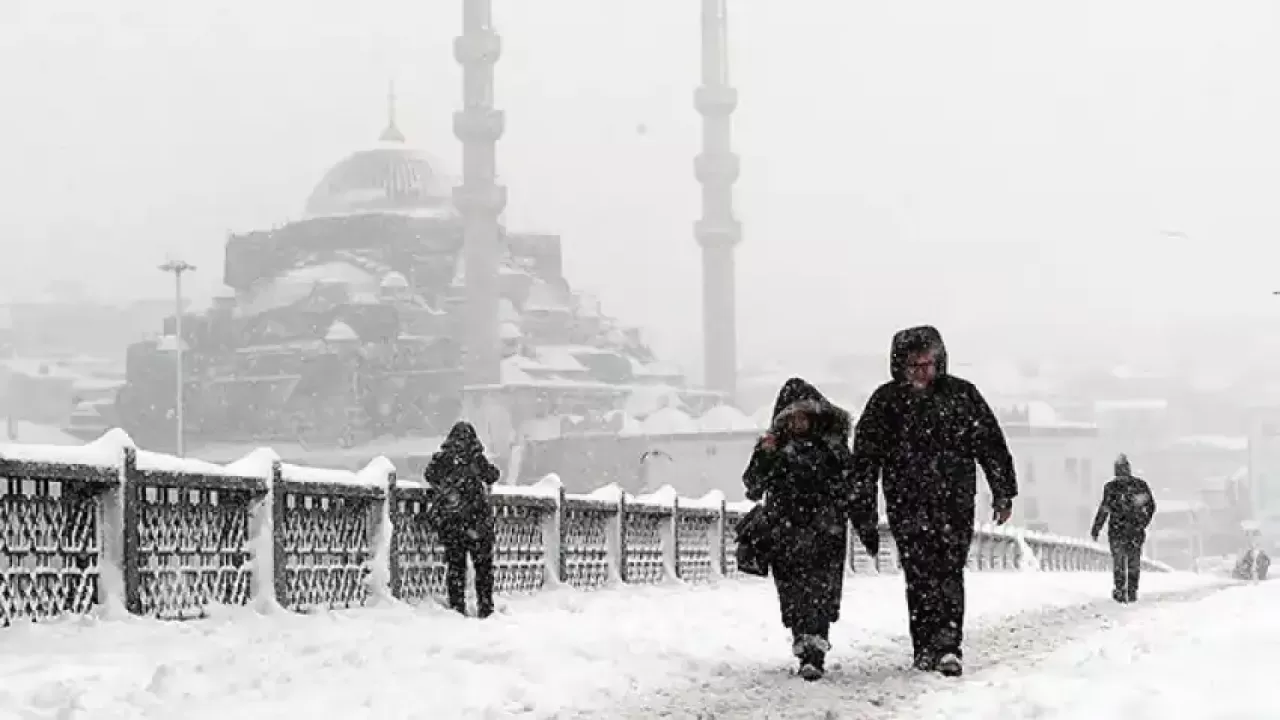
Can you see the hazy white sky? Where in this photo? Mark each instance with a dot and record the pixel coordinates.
(952, 162)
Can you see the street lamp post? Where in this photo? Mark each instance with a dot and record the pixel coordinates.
(177, 267)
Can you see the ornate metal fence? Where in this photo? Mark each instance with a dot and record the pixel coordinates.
(167, 538)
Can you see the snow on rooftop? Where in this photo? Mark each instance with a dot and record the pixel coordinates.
(655, 369)
(558, 358)
(764, 416)
(1131, 404)
(443, 211)
(339, 331)
(669, 421)
(726, 418)
(648, 399)
(169, 343)
(628, 424)
(1041, 414)
(509, 331)
(1226, 443)
(511, 371)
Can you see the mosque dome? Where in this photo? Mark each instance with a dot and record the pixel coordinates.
(392, 176)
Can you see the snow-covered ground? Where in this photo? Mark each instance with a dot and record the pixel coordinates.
(633, 652)
(1209, 660)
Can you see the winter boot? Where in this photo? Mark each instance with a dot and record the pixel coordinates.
(812, 652)
(925, 661)
(950, 666)
(1119, 596)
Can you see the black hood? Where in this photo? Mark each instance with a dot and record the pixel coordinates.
(914, 340)
(462, 441)
(797, 395)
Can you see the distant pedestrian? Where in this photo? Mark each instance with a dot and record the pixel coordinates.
(924, 433)
(460, 510)
(1253, 565)
(1127, 509)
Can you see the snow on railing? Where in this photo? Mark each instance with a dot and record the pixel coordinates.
(123, 530)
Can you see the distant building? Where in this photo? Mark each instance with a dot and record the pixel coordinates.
(1176, 535)
(1180, 468)
(1061, 470)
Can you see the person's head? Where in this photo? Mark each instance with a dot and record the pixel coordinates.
(462, 438)
(1122, 467)
(799, 423)
(918, 357)
(922, 368)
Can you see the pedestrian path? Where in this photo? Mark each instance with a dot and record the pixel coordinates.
(669, 651)
(1210, 660)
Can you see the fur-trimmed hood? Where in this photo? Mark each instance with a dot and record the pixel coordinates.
(798, 396)
(914, 340)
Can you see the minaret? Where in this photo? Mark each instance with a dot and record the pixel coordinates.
(479, 199)
(718, 232)
(392, 134)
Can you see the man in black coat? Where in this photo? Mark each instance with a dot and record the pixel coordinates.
(1129, 506)
(924, 432)
(460, 477)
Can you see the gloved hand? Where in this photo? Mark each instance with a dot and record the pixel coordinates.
(1002, 510)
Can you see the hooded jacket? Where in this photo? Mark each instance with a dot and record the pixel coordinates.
(1127, 506)
(926, 444)
(807, 478)
(459, 476)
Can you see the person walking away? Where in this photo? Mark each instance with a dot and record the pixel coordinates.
(1127, 508)
(1252, 565)
(924, 433)
(800, 469)
(460, 478)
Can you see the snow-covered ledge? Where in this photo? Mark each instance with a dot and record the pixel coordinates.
(381, 473)
(261, 463)
(615, 531)
(714, 501)
(552, 528)
(668, 531)
(113, 558)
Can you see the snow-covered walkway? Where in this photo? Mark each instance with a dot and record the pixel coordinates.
(1209, 660)
(633, 652)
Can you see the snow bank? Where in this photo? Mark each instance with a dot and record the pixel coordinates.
(557, 654)
(1192, 659)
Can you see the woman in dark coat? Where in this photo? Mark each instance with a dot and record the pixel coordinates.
(801, 469)
(460, 477)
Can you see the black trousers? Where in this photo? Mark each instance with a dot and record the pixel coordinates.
(479, 546)
(933, 555)
(1126, 565)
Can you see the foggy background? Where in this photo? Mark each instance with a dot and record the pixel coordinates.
(1007, 170)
